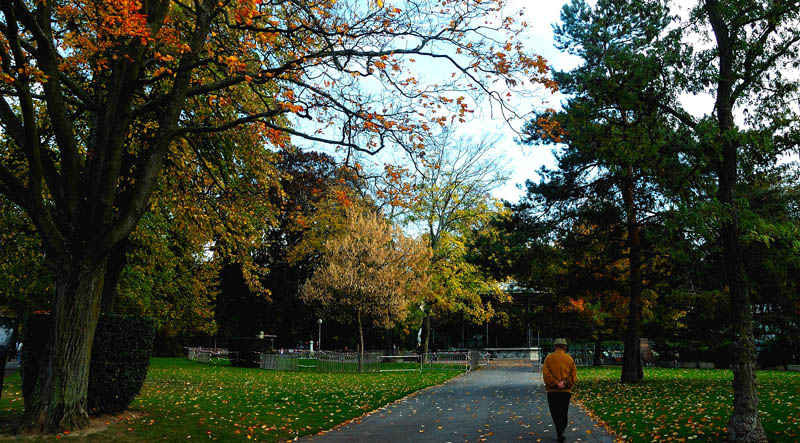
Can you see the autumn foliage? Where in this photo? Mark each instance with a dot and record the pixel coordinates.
(98, 95)
(370, 273)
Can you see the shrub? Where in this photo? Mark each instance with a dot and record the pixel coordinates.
(120, 357)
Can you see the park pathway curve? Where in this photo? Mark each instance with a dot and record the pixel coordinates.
(494, 404)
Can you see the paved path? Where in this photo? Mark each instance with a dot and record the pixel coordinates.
(492, 404)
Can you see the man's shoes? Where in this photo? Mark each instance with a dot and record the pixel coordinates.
(561, 438)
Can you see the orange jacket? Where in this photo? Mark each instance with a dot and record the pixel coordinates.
(559, 366)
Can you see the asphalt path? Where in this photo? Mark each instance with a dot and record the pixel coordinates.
(494, 404)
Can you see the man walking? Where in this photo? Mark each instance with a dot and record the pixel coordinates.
(559, 376)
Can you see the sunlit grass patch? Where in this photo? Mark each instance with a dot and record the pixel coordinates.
(184, 400)
(686, 404)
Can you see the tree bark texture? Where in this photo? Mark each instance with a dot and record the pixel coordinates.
(78, 204)
(58, 401)
(632, 371)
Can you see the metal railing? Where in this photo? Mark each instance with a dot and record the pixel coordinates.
(207, 355)
(280, 362)
(400, 363)
(445, 361)
(347, 362)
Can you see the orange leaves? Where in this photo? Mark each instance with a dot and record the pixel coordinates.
(291, 107)
(245, 11)
(106, 27)
(119, 19)
(234, 64)
(342, 198)
(577, 304)
(163, 70)
(397, 189)
(549, 128)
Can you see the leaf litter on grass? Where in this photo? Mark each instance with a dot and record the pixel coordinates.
(183, 400)
(685, 404)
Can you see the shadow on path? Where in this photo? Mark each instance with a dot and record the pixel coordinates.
(492, 404)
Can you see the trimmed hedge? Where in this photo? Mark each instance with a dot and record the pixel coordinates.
(120, 357)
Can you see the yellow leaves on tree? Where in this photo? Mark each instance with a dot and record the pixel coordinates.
(122, 80)
(369, 274)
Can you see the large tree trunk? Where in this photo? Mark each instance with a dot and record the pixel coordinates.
(58, 401)
(632, 359)
(745, 424)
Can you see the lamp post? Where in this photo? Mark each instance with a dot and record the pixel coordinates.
(319, 335)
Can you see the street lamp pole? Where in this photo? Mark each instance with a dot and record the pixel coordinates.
(319, 335)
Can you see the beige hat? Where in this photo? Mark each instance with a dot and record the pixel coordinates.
(560, 341)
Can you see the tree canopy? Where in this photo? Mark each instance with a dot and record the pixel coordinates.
(370, 274)
(96, 95)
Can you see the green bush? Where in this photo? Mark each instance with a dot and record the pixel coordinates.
(120, 357)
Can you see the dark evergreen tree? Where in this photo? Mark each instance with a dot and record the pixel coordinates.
(615, 135)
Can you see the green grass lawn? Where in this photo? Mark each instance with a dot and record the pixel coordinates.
(686, 404)
(184, 400)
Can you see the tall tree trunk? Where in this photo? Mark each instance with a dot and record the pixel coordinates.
(426, 333)
(632, 359)
(360, 343)
(58, 400)
(744, 424)
(116, 263)
(598, 353)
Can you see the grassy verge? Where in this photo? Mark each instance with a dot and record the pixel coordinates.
(188, 400)
(686, 404)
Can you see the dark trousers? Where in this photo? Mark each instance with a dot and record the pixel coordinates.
(559, 403)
